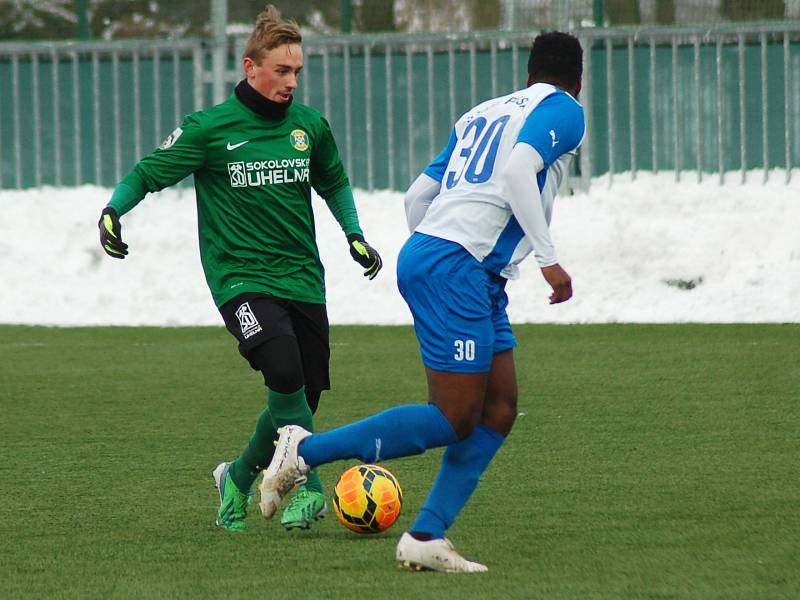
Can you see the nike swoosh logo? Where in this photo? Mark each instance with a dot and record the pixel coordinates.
(235, 146)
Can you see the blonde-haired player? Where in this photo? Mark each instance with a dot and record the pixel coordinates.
(255, 159)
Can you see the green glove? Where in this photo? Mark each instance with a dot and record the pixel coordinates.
(111, 234)
(365, 255)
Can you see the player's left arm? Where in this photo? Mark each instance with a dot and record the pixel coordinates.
(331, 183)
(525, 200)
(558, 120)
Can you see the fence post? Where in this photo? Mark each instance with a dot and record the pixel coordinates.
(219, 21)
(586, 100)
(82, 8)
(598, 13)
(509, 15)
(347, 16)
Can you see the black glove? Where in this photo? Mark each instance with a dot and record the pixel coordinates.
(365, 255)
(111, 234)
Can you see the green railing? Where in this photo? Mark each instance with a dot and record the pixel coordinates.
(706, 100)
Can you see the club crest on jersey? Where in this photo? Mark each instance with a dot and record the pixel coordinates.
(171, 139)
(247, 321)
(299, 140)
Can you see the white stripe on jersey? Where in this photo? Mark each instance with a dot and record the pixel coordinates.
(471, 208)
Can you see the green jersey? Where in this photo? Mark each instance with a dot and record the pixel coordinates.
(253, 178)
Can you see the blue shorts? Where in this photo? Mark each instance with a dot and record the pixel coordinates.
(459, 307)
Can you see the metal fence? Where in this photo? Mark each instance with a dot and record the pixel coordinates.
(680, 99)
(75, 113)
(687, 99)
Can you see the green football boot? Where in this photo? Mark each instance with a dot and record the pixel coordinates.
(232, 502)
(306, 507)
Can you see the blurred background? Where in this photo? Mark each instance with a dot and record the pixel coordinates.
(685, 187)
(709, 87)
(173, 19)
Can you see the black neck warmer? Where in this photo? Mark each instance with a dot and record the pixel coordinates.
(247, 95)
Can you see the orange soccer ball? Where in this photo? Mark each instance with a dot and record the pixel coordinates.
(367, 499)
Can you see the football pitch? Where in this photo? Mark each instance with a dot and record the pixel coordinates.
(647, 461)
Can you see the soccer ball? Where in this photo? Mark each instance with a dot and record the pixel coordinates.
(367, 499)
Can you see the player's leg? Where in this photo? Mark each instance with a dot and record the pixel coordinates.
(266, 339)
(500, 406)
(464, 463)
(278, 360)
(423, 546)
(312, 399)
(310, 324)
(454, 408)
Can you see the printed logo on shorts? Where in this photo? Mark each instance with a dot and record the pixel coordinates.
(299, 140)
(247, 321)
(171, 139)
(236, 171)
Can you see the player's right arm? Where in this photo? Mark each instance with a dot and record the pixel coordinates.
(419, 197)
(181, 154)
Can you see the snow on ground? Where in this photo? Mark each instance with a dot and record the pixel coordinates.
(649, 250)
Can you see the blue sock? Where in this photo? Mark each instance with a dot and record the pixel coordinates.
(461, 469)
(399, 431)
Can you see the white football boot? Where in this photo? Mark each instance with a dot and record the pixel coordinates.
(434, 555)
(285, 471)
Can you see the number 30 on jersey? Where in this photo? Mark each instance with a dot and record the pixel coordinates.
(465, 350)
(477, 151)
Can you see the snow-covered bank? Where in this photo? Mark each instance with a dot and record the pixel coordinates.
(651, 250)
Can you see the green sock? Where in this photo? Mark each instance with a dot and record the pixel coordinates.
(283, 409)
(292, 409)
(256, 455)
(314, 483)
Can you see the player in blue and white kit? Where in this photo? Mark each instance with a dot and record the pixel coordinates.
(476, 212)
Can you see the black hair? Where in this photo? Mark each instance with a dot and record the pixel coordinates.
(556, 57)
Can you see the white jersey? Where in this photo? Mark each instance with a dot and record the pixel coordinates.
(471, 207)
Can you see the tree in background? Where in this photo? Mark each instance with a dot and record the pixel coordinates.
(486, 14)
(28, 19)
(145, 19)
(747, 10)
(448, 15)
(116, 19)
(317, 15)
(628, 12)
(108, 19)
(665, 12)
(623, 12)
(376, 15)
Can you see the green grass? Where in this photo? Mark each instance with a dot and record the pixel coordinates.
(647, 462)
